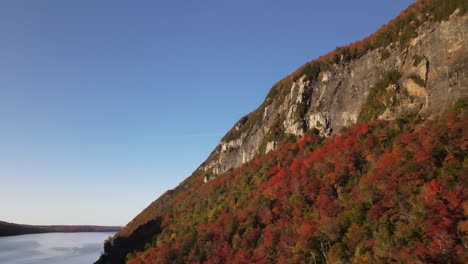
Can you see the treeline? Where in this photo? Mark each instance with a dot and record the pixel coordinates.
(10, 229)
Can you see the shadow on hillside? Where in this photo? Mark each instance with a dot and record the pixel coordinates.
(115, 252)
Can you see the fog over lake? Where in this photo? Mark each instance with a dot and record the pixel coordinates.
(52, 248)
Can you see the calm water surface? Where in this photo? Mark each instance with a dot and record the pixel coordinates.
(52, 248)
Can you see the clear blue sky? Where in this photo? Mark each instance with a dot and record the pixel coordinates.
(106, 104)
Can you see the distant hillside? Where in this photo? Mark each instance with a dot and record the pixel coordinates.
(10, 229)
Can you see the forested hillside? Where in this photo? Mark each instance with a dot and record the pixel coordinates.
(380, 192)
(359, 156)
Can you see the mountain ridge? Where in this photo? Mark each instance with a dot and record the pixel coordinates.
(406, 68)
(299, 114)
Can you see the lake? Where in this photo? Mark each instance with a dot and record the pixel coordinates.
(52, 248)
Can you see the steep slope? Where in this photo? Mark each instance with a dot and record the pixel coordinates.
(378, 193)
(328, 93)
(415, 67)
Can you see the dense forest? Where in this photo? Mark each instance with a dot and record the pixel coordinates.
(380, 192)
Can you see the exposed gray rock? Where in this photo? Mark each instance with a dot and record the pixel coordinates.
(437, 56)
(270, 146)
(321, 122)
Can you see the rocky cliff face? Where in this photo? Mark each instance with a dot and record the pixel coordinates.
(433, 73)
(422, 76)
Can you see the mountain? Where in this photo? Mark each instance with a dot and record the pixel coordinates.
(10, 229)
(357, 156)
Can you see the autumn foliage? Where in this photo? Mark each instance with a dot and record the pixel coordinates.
(384, 192)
